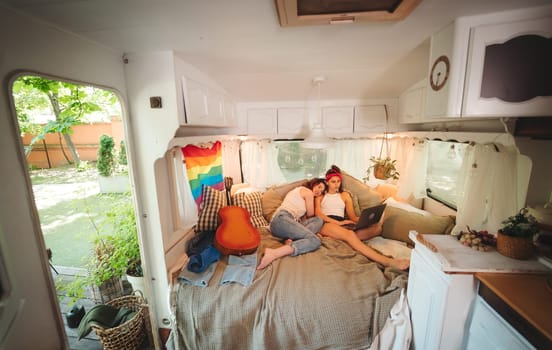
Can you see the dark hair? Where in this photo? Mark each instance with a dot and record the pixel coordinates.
(317, 180)
(334, 169)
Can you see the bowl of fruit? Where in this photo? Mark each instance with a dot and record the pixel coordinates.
(477, 240)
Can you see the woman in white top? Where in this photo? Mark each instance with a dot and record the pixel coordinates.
(294, 221)
(332, 207)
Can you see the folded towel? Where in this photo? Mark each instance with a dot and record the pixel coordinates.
(105, 316)
(197, 279)
(240, 269)
(200, 262)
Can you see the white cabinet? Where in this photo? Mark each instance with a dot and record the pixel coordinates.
(507, 69)
(207, 106)
(491, 65)
(337, 121)
(369, 119)
(292, 122)
(412, 104)
(439, 303)
(484, 322)
(262, 121)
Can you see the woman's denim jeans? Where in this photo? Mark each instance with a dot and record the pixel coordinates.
(303, 234)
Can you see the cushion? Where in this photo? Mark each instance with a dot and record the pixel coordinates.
(362, 193)
(252, 203)
(273, 197)
(390, 191)
(398, 222)
(211, 202)
(408, 207)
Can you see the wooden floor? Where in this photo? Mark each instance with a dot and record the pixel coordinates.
(91, 341)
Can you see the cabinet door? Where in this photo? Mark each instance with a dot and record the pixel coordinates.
(489, 331)
(426, 295)
(195, 102)
(215, 108)
(369, 119)
(507, 69)
(411, 105)
(262, 121)
(292, 121)
(230, 116)
(337, 120)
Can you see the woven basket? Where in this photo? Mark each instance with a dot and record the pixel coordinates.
(515, 247)
(129, 335)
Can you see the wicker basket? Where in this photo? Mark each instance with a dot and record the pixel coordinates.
(515, 247)
(129, 335)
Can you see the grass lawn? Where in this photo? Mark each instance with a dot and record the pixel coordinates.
(72, 211)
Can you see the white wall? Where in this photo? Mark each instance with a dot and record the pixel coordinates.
(31, 46)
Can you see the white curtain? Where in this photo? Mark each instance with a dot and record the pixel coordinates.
(231, 160)
(351, 156)
(260, 164)
(492, 186)
(412, 158)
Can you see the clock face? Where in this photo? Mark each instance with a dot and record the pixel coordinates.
(439, 73)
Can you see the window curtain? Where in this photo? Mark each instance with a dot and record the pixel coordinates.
(492, 186)
(231, 160)
(260, 164)
(351, 156)
(412, 158)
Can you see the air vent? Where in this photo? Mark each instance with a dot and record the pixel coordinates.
(319, 12)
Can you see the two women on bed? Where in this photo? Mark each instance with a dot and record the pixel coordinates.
(332, 207)
(296, 222)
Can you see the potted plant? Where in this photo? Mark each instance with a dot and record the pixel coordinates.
(384, 168)
(515, 238)
(113, 175)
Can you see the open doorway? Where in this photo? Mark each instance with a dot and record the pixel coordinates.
(75, 150)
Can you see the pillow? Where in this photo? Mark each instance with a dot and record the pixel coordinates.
(390, 191)
(252, 203)
(398, 222)
(396, 204)
(365, 195)
(211, 203)
(274, 196)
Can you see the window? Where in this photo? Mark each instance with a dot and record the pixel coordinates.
(298, 163)
(445, 161)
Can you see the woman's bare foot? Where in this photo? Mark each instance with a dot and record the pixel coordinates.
(288, 241)
(401, 264)
(272, 254)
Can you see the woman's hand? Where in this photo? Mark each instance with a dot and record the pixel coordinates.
(345, 222)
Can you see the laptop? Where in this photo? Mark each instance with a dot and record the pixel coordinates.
(370, 216)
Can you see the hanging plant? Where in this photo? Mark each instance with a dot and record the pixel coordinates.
(383, 167)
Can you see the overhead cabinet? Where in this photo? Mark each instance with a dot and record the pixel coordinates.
(412, 103)
(206, 105)
(492, 66)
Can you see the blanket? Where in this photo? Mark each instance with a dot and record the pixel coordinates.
(332, 298)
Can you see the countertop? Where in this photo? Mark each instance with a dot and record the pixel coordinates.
(528, 295)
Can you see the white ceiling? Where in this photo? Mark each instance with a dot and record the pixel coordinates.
(241, 45)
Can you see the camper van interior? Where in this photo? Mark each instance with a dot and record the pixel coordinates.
(236, 103)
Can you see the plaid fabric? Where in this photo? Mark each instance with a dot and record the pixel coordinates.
(252, 203)
(212, 201)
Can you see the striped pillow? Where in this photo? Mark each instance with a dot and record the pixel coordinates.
(211, 202)
(252, 203)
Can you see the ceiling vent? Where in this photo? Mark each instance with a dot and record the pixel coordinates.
(318, 12)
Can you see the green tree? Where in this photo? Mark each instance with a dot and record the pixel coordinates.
(68, 102)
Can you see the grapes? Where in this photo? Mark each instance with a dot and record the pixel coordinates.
(477, 240)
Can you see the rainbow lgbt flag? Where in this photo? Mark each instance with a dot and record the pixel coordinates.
(204, 167)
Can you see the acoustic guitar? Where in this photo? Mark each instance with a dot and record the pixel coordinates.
(235, 235)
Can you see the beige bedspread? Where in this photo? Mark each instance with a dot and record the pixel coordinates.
(332, 298)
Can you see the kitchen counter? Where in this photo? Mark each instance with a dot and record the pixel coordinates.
(524, 301)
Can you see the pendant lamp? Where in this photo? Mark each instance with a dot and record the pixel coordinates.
(317, 138)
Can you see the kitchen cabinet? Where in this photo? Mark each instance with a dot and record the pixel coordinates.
(206, 106)
(262, 121)
(412, 103)
(485, 322)
(338, 121)
(292, 122)
(493, 65)
(442, 287)
(369, 119)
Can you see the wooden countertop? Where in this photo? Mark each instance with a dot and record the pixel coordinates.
(529, 295)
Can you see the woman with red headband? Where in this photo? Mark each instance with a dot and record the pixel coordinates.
(332, 207)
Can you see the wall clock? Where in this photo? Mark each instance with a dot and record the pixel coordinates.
(439, 73)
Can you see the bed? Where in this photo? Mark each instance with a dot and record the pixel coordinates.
(332, 298)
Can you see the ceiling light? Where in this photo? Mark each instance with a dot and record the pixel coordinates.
(317, 138)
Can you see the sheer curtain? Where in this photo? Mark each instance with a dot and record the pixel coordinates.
(351, 156)
(492, 186)
(412, 158)
(231, 160)
(260, 164)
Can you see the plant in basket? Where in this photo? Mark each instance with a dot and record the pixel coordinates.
(515, 238)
